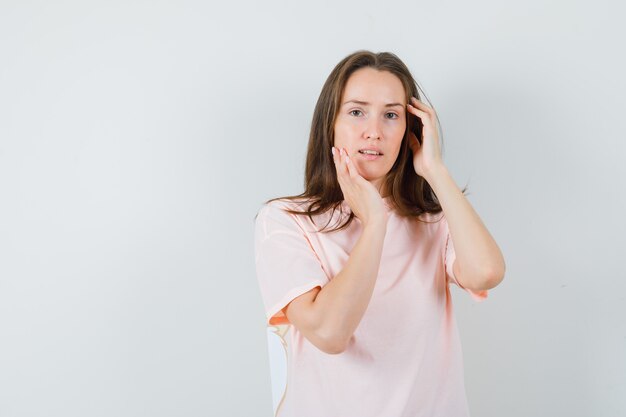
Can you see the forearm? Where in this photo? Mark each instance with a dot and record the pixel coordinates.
(479, 260)
(342, 302)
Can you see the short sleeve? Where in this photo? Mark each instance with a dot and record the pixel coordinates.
(449, 257)
(286, 263)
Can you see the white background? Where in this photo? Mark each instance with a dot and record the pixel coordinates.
(139, 139)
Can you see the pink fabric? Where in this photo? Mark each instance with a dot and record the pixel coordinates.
(405, 359)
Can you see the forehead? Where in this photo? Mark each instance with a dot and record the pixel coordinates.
(372, 85)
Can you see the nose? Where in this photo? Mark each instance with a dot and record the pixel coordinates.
(373, 129)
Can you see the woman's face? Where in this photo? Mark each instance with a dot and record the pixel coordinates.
(372, 114)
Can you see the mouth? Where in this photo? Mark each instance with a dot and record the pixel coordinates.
(369, 152)
(370, 156)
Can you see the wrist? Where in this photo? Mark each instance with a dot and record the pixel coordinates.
(378, 223)
(436, 171)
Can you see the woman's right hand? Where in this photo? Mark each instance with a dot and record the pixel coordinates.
(360, 194)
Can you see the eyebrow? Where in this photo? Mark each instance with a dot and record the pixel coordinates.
(365, 103)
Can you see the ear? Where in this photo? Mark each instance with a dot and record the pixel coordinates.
(415, 125)
(414, 143)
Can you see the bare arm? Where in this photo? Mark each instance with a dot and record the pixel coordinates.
(343, 301)
(328, 317)
(479, 264)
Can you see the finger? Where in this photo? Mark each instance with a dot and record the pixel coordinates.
(337, 160)
(422, 114)
(343, 175)
(336, 157)
(340, 162)
(344, 161)
(419, 104)
(426, 118)
(351, 168)
(350, 172)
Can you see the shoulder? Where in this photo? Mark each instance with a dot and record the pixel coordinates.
(432, 224)
(275, 214)
(432, 220)
(280, 206)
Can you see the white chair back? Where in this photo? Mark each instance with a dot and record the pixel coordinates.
(278, 348)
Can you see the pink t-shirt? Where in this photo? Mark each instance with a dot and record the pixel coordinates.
(405, 359)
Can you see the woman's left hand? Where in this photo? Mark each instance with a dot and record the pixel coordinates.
(427, 156)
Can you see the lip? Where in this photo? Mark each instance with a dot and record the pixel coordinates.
(369, 157)
(371, 148)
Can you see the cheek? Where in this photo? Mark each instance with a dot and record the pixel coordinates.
(396, 129)
(344, 127)
(343, 132)
(398, 133)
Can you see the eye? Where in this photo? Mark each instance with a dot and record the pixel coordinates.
(393, 115)
(351, 111)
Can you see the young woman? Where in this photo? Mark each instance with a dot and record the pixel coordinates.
(371, 329)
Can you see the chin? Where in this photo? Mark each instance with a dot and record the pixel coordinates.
(370, 176)
(370, 172)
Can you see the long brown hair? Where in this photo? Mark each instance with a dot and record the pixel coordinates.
(410, 194)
